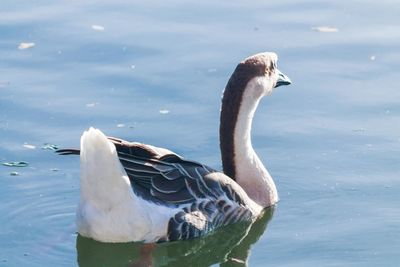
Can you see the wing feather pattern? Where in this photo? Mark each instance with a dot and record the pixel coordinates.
(206, 199)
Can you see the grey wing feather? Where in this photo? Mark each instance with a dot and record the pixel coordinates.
(207, 198)
(168, 180)
(207, 201)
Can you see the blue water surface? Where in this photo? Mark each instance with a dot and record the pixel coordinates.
(153, 71)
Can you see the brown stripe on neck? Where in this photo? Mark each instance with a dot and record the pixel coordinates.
(231, 102)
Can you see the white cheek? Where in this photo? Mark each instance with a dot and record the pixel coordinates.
(260, 86)
(268, 86)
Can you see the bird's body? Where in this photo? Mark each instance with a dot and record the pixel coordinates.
(137, 192)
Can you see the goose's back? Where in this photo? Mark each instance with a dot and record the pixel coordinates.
(205, 198)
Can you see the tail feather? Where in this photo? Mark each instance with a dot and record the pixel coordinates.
(103, 179)
(108, 210)
(68, 151)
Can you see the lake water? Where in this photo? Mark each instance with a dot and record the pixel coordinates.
(153, 71)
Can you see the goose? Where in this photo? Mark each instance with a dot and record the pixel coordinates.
(130, 191)
(231, 246)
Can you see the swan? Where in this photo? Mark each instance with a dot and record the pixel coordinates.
(131, 191)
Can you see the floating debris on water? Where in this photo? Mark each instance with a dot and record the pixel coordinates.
(133, 67)
(325, 29)
(28, 146)
(164, 111)
(14, 173)
(16, 164)
(48, 146)
(212, 70)
(372, 57)
(120, 125)
(54, 169)
(91, 105)
(23, 46)
(98, 28)
(359, 130)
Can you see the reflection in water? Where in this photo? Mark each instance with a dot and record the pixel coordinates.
(229, 246)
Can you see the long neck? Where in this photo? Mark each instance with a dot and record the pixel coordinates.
(239, 159)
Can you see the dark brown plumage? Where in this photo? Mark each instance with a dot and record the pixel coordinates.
(231, 101)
